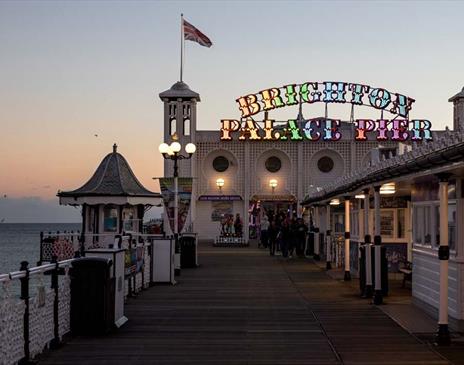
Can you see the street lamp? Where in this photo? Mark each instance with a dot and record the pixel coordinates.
(172, 152)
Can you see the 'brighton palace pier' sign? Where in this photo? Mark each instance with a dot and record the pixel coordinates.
(398, 129)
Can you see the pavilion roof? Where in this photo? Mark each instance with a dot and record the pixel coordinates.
(113, 177)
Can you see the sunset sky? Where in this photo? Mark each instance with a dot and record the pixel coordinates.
(70, 70)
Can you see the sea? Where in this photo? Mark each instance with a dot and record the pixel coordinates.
(21, 242)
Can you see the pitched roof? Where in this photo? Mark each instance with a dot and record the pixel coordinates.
(179, 90)
(113, 177)
(446, 150)
(457, 96)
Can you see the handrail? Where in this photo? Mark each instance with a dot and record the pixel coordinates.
(34, 270)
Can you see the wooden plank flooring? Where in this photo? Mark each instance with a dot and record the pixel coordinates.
(244, 307)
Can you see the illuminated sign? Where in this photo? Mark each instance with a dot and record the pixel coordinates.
(325, 92)
(325, 129)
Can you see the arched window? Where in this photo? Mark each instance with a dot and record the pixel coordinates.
(172, 127)
(187, 127)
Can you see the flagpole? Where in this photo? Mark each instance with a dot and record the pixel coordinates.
(181, 45)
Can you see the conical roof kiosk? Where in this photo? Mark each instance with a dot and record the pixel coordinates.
(113, 201)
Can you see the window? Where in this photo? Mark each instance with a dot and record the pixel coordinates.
(220, 164)
(110, 219)
(273, 164)
(386, 153)
(325, 164)
(386, 223)
(172, 127)
(187, 127)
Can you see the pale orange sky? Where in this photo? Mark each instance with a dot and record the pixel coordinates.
(70, 70)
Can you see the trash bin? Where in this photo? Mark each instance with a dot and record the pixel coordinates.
(188, 249)
(92, 296)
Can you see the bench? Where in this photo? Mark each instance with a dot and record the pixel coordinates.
(407, 273)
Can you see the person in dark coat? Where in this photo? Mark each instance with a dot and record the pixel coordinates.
(285, 237)
(301, 230)
(272, 237)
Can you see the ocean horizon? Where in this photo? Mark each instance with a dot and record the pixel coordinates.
(21, 242)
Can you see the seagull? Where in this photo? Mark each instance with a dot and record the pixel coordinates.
(96, 135)
(4, 195)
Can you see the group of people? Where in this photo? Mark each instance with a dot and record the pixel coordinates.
(231, 227)
(281, 233)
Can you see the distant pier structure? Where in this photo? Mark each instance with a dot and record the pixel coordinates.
(113, 202)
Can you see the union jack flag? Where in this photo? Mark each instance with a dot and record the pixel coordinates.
(195, 35)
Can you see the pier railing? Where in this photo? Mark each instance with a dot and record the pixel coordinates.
(40, 316)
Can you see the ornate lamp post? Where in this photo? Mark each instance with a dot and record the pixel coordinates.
(172, 152)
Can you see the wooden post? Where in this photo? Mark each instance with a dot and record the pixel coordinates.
(347, 276)
(378, 296)
(443, 335)
(317, 220)
(367, 246)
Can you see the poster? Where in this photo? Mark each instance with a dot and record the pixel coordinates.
(184, 197)
(220, 209)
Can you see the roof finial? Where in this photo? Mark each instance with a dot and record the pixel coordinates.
(115, 148)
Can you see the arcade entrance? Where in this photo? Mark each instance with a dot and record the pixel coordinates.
(271, 205)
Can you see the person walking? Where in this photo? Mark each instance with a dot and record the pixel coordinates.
(301, 231)
(264, 232)
(272, 235)
(285, 237)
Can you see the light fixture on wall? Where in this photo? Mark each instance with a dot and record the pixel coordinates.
(220, 183)
(359, 196)
(273, 184)
(388, 188)
(335, 202)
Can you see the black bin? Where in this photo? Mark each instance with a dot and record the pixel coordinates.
(92, 296)
(188, 252)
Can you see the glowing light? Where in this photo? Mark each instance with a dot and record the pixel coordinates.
(220, 183)
(163, 148)
(273, 183)
(359, 196)
(388, 188)
(190, 148)
(335, 202)
(176, 147)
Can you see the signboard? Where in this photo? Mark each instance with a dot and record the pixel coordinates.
(184, 193)
(400, 128)
(219, 198)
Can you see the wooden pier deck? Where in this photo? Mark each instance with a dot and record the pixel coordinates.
(244, 307)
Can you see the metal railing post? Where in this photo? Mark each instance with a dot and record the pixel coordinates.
(55, 343)
(25, 296)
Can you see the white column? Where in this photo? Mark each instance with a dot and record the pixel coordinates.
(367, 246)
(317, 227)
(328, 239)
(378, 296)
(443, 336)
(347, 276)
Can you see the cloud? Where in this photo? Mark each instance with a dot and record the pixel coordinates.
(37, 210)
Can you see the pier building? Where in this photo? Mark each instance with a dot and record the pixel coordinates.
(247, 167)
